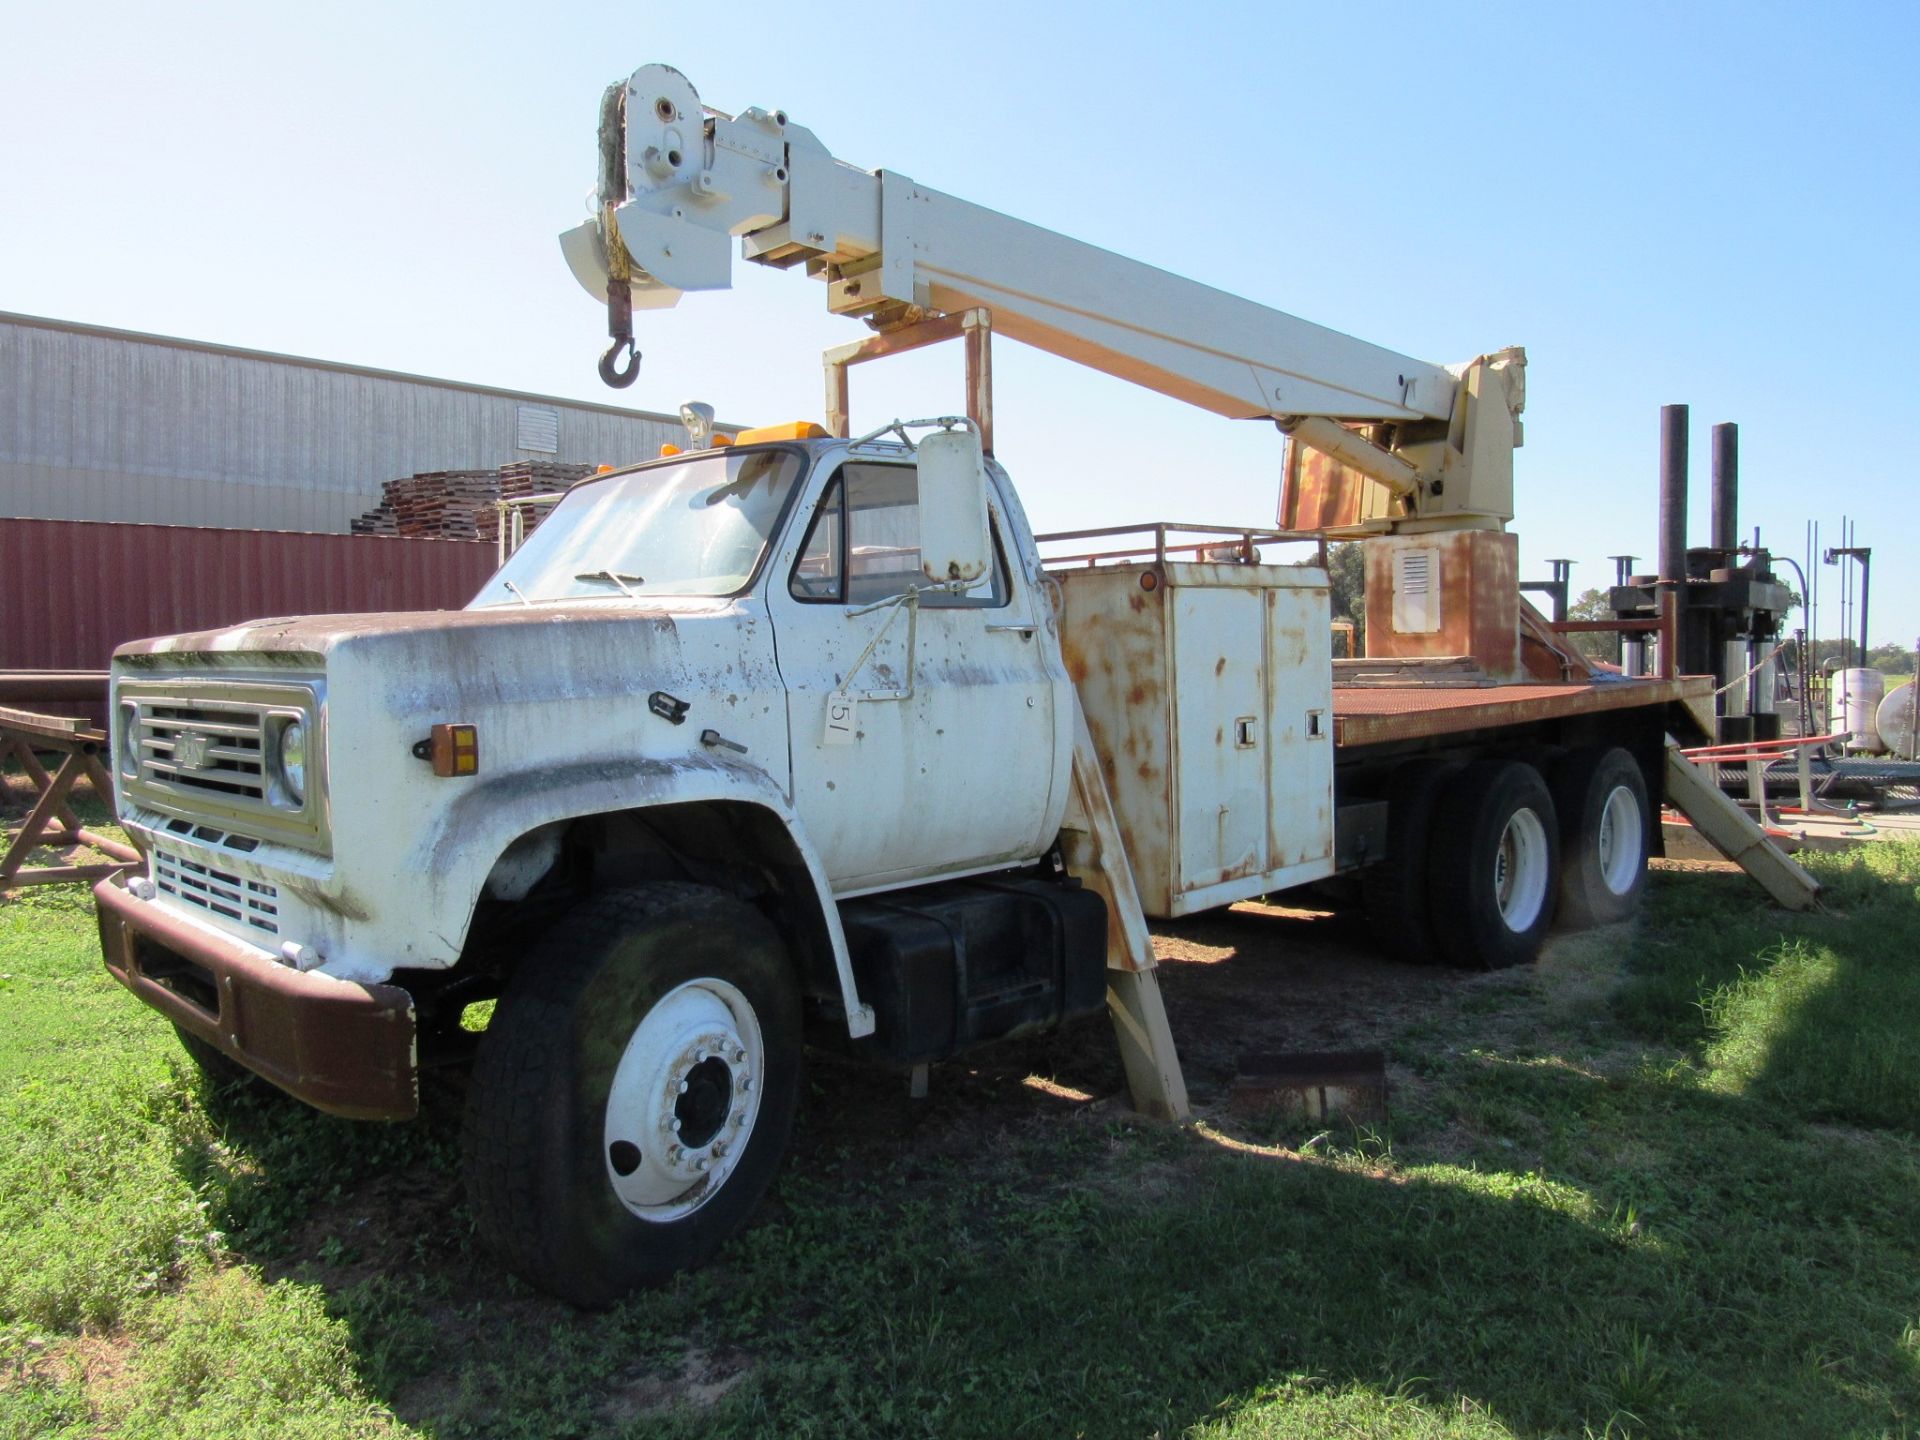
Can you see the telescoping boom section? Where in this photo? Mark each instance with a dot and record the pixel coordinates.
(1383, 442)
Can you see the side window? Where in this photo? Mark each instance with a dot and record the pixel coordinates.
(818, 572)
(865, 544)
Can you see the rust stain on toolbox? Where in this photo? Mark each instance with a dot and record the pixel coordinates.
(1207, 693)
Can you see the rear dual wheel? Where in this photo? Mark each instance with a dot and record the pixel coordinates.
(1495, 866)
(1394, 890)
(1605, 834)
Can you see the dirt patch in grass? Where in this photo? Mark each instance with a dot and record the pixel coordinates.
(701, 1382)
(387, 1224)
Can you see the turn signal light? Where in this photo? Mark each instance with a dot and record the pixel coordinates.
(454, 750)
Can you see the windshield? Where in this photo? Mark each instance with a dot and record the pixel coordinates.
(695, 528)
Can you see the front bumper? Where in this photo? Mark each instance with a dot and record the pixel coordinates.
(343, 1048)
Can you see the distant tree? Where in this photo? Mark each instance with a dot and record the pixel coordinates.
(1891, 659)
(1594, 644)
(1347, 575)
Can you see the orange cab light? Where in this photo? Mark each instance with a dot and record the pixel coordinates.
(792, 430)
(665, 450)
(455, 750)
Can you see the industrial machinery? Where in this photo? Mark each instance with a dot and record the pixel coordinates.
(1724, 605)
(802, 735)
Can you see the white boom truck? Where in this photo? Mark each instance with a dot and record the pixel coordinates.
(800, 738)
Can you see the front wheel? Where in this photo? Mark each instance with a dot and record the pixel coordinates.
(634, 1092)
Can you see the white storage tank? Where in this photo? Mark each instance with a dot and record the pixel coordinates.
(1895, 722)
(1858, 694)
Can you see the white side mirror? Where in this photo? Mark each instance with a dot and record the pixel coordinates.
(954, 540)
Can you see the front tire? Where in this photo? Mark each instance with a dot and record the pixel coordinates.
(1495, 865)
(634, 1092)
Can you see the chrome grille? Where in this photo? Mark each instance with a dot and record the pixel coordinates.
(216, 748)
(203, 751)
(254, 903)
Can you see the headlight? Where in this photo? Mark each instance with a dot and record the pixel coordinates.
(292, 760)
(130, 740)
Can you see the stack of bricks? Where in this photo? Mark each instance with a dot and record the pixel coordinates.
(459, 504)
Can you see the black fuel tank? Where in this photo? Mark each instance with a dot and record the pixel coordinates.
(952, 966)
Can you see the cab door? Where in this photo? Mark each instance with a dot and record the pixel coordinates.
(922, 744)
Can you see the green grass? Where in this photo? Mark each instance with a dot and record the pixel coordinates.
(1820, 1018)
(1666, 1185)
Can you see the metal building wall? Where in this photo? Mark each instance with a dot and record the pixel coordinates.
(71, 591)
(100, 424)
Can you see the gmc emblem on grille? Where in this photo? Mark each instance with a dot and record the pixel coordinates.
(190, 750)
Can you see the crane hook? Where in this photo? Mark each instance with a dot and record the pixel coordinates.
(620, 327)
(619, 378)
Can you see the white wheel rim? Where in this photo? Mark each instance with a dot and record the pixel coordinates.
(684, 1099)
(1520, 870)
(1622, 835)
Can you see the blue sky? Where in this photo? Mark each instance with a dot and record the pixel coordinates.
(1706, 203)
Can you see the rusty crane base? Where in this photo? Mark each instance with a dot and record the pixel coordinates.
(51, 823)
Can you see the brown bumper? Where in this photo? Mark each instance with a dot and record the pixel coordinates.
(344, 1048)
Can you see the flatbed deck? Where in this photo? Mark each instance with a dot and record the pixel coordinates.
(1387, 714)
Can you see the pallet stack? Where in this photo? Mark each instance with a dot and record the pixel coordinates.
(459, 504)
(528, 477)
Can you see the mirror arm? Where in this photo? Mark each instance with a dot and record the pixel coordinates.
(909, 600)
(900, 428)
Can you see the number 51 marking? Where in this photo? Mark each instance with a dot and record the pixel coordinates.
(840, 719)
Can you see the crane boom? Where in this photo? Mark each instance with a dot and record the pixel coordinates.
(679, 181)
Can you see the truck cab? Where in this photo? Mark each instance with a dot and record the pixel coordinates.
(740, 687)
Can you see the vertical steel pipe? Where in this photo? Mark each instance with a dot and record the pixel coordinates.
(1726, 488)
(1673, 494)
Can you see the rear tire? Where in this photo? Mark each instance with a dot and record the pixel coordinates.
(1395, 889)
(634, 1093)
(1494, 871)
(1601, 799)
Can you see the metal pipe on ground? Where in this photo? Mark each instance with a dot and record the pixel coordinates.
(1673, 494)
(1726, 487)
(28, 687)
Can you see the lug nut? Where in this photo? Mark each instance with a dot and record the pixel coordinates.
(674, 1124)
(702, 1164)
(719, 1149)
(683, 1087)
